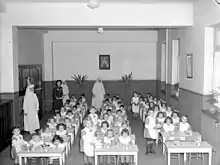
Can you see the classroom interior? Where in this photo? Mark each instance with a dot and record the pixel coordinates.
(170, 47)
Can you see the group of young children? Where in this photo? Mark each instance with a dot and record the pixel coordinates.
(106, 127)
(158, 117)
(60, 128)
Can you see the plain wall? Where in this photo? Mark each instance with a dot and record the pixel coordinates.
(77, 52)
(77, 14)
(30, 47)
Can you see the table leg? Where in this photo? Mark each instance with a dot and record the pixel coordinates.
(61, 159)
(168, 157)
(64, 158)
(96, 159)
(135, 159)
(210, 158)
(20, 160)
(184, 158)
(25, 161)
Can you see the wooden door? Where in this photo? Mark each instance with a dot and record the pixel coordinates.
(35, 74)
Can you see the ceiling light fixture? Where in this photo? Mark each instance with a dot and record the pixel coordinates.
(217, 1)
(93, 4)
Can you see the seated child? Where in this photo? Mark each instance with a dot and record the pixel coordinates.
(110, 116)
(36, 141)
(75, 110)
(61, 130)
(125, 125)
(159, 103)
(122, 108)
(155, 100)
(17, 143)
(118, 121)
(106, 118)
(68, 123)
(125, 138)
(168, 111)
(184, 126)
(52, 124)
(175, 118)
(104, 127)
(168, 125)
(160, 119)
(63, 112)
(109, 139)
(151, 105)
(156, 110)
(67, 105)
(93, 116)
(57, 143)
(70, 115)
(135, 104)
(73, 102)
(46, 135)
(163, 108)
(57, 118)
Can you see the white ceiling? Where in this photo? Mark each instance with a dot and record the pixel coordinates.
(105, 1)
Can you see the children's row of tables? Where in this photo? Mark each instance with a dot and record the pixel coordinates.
(46, 151)
(181, 143)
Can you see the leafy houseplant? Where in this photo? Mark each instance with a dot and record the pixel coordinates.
(214, 101)
(126, 78)
(80, 79)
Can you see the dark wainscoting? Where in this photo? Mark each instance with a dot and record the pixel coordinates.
(189, 103)
(15, 106)
(112, 87)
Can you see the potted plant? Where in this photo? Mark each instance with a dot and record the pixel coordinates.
(214, 101)
(80, 79)
(126, 78)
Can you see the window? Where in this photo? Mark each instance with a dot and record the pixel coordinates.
(163, 68)
(175, 67)
(216, 71)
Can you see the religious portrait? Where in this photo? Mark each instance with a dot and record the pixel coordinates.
(104, 62)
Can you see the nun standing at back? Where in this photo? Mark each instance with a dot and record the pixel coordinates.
(58, 96)
(65, 92)
(31, 108)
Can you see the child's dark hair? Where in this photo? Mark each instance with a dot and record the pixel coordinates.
(160, 113)
(74, 107)
(70, 111)
(57, 113)
(105, 122)
(57, 137)
(157, 107)
(61, 124)
(118, 111)
(125, 130)
(109, 110)
(175, 112)
(168, 118)
(68, 101)
(121, 106)
(15, 127)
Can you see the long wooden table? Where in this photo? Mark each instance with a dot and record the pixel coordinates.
(42, 153)
(131, 150)
(188, 148)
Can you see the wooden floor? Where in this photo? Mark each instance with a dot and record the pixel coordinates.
(76, 158)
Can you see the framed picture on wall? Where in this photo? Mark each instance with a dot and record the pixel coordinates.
(189, 66)
(104, 62)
